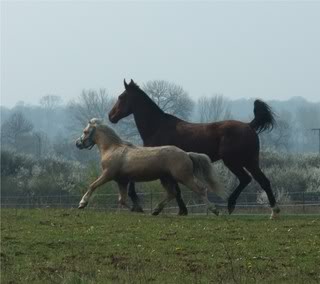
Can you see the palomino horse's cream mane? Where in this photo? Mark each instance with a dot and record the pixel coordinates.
(112, 135)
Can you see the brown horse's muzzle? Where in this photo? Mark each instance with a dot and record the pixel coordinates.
(113, 116)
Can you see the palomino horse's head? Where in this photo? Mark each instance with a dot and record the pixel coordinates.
(86, 140)
(123, 106)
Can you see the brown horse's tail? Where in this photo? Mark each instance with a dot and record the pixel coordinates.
(206, 174)
(263, 117)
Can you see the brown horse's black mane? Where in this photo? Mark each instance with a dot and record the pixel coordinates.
(263, 115)
(137, 91)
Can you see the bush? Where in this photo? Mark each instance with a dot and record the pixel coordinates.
(25, 175)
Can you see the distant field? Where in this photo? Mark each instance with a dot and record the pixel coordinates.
(71, 246)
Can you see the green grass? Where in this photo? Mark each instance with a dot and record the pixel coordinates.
(70, 246)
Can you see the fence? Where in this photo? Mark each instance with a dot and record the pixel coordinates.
(248, 203)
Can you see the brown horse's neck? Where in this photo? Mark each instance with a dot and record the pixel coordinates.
(147, 116)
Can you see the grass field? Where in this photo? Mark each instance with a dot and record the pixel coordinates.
(71, 246)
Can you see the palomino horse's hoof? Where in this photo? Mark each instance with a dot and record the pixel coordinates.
(82, 205)
(215, 212)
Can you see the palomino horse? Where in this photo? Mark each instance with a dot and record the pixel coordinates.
(123, 162)
(235, 142)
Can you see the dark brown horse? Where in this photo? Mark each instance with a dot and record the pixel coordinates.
(235, 142)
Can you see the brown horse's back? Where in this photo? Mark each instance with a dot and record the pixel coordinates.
(238, 142)
(224, 140)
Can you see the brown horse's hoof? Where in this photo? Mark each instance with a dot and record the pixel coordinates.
(137, 209)
(276, 210)
(215, 212)
(275, 213)
(183, 212)
(231, 207)
(155, 213)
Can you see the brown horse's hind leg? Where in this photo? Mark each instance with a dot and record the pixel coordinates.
(136, 207)
(264, 182)
(183, 211)
(244, 179)
(123, 190)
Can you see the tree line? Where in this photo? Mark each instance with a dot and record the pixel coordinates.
(51, 126)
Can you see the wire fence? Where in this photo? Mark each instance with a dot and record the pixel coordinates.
(248, 203)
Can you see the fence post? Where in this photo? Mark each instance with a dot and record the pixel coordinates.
(151, 196)
(303, 208)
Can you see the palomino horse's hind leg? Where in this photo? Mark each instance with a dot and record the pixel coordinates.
(196, 186)
(264, 182)
(101, 180)
(134, 198)
(171, 194)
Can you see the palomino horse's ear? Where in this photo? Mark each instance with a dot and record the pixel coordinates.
(125, 83)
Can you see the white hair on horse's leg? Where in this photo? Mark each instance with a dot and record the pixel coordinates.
(96, 121)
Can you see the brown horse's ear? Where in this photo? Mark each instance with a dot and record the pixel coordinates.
(125, 84)
(131, 82)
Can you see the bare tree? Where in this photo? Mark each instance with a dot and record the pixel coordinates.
(15, 126)
(93, 103)
(90, 104)
(41, 143)
(280, 137)
(170, 97)
(308, 117)
(214, 108)
(50, 102)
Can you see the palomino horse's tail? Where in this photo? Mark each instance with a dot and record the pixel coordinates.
(205, 173)
(263, 117)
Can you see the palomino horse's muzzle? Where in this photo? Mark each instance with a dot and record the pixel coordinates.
(86, 143)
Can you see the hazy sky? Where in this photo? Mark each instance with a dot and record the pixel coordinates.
(241, 49)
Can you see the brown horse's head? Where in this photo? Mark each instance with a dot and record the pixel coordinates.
(123, 106)
(86, 140)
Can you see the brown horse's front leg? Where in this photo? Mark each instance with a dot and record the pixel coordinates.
(105, 177)
(183, 211)
(134, 198)
(171, 189)
(123, 194)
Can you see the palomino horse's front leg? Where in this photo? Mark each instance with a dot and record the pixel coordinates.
(101, 180)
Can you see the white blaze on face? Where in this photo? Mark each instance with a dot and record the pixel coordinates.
(95, 121)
